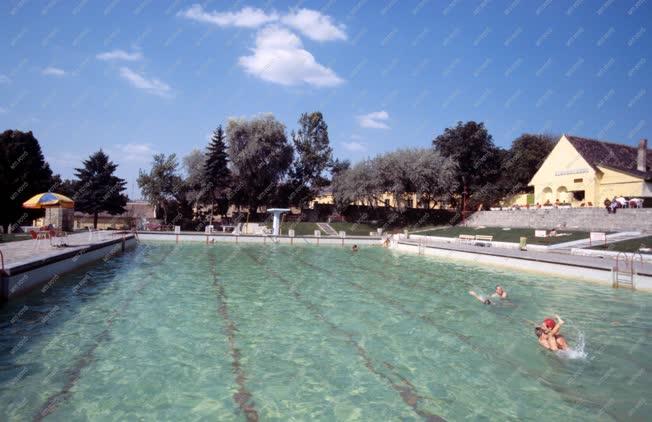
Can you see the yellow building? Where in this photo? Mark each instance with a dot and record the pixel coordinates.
(586, 171)
(387, 199)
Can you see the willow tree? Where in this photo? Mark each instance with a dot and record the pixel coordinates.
(260, 158)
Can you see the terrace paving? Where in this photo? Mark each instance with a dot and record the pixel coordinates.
(23, 252)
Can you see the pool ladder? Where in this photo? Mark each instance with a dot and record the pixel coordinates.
(624, 272)
(421, 247)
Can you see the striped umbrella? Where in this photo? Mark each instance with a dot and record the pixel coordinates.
(49, 199)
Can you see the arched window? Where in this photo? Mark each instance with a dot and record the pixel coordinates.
(562, 194)
(546, 195)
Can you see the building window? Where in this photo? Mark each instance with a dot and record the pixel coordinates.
(578, 195)
(387, 202)
(578, 180)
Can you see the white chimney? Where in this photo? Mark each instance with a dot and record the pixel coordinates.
(641, 159)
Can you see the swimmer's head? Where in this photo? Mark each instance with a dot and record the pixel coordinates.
(538, 331)
(549, 323)
(499, 289)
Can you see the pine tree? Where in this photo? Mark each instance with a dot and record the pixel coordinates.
(98, 189)
(216, 172)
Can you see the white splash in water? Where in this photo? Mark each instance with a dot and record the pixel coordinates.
(576, 352)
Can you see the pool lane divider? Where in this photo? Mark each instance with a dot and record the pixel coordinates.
(406, 390)
(53, 401)
(243, 397)
(567, 394)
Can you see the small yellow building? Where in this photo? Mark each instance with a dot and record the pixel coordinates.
(387, 199)
(586, 171)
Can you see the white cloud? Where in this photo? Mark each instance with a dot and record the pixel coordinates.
(375, 120)
(4, 79)
(53, 71)
(354, 146)
(279, 57)
(247, 17)
(151, 86)
(136, 152)
(314, 25)
(120, 55)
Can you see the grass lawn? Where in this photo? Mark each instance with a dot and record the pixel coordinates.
(512, 235)
(301, 228)
(631, 245)
(12, 237)
(354, 229)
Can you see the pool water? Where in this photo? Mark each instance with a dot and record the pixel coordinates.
(261, 332)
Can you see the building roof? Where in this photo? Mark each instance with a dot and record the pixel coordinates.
(608, 154)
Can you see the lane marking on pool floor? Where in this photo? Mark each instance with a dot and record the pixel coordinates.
(53, 401)
(565, 393)
(406, 390)
(243, 398)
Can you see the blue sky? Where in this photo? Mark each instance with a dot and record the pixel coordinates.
(137, 78)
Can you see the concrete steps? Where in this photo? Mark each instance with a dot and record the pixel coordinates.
(327, 228)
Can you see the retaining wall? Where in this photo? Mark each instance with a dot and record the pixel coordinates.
(21, 279)
(231, 238)
(584, 219)
(643, 282)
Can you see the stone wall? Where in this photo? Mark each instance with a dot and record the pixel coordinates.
(586, 219)
(61, 218)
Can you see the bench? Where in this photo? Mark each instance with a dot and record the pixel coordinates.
(466, 238)
(483, 240)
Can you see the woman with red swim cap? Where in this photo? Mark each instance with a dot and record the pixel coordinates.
(548, 334)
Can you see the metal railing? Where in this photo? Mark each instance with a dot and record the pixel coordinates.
(625, 273)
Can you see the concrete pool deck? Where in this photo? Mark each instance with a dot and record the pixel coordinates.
(28, 264)
(590, 268)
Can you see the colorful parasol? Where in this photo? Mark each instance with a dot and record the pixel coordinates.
(49, 199)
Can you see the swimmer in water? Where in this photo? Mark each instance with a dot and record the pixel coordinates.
(549, 336)
(354, 248)
(480, 298)
(500, 292)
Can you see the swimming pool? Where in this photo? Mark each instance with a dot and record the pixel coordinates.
(273, 332)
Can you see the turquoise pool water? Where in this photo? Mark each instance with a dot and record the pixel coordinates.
(226, 332)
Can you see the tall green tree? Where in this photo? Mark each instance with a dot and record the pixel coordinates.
(479, 161)
(98, 188)
(314, 157)
(63, 186)
(23, 173)
(162, 184)
(524, 159)
(260, 157)
(217, 176)
(193, 165)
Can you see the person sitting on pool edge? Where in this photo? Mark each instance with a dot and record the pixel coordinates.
(549, 336)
